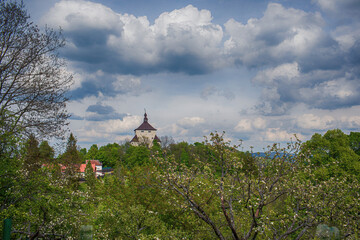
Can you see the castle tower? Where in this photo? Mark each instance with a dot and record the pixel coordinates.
(145, 134)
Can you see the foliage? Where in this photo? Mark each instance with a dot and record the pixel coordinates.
(32, 154)
(354, 138)
(333, 154)
(137, 156)
(277, 196)
(36, 198)
(185, 190)
(71, 160)
(46, 152)
(90, 176)
(91, 154)
(110, 154)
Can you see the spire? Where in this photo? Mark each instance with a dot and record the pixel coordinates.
(145, 125)
(145, 117)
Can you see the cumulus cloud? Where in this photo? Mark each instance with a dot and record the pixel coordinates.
(300, 61)
(124, 125)
(282, 35)
(342, 8)
(100, 112)
(352, 122)
(184, 40)
(297, 58)
(105, 84)
(285, 85)
(311, 121)
(276, 135)
(248, 125)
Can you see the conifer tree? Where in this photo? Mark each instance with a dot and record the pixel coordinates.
(46, 152)
(89, 175)
(71, 159)
(32, 160)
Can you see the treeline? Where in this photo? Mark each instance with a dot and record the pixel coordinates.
(207, 190)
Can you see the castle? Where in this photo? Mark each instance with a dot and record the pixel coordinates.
(145, 134)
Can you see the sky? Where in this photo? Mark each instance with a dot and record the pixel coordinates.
(261, 71)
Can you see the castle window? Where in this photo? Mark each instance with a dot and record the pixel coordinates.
(142, 130)
(149, 131)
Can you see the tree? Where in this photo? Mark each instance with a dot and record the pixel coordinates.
(166, 141)
(32, 154)
(46, 152)
(90, 177)
(91, 154)
(276, 196)
(137, 156)
(33, 79)
(333, 154)
(354, 138)
(71, 159)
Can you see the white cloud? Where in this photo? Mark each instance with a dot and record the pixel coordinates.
(128, 123)
(74, 15)
(248, 125)
(347, 36)
(278, 135)
(352, 122)
(286, 71)
(244, 125)
(281, 35)
(311, 121)
(339, 6)
(176, 37)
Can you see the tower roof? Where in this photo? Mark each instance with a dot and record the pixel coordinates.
(145, 125)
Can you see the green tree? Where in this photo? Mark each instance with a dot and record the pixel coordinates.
(90, 177)
(354, 138)
(71, 160)
(274, 196)
(83, 152)
(110, 154)
(46, 152)
(137, 156)
(32, 160)
(91, 154)
(332, 154)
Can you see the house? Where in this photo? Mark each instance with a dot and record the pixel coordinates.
(145, 134)
(96, 166)
(80, 168)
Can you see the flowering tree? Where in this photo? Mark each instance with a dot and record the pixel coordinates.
(278, 197)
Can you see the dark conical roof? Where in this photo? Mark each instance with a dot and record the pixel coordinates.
(145, 125)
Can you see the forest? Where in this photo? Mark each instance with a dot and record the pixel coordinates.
(202, 190)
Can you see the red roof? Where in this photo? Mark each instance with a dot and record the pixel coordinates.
(83, 167)
(94, 163)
